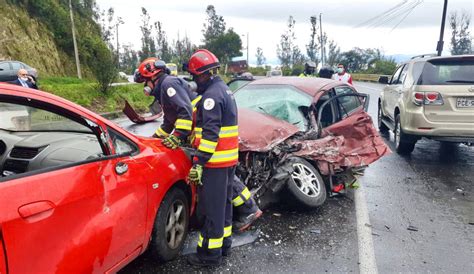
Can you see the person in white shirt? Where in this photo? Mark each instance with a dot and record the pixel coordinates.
(341, 75)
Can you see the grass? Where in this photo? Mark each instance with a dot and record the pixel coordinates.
(85, 93)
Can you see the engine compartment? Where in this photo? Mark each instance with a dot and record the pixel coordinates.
(28, 151)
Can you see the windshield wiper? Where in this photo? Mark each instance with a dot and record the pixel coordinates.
(460, 81)
(264, 110)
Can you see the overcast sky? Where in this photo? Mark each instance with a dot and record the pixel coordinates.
(265, 20)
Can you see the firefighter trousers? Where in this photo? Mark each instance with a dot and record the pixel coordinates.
(242, 201)
(215, 209)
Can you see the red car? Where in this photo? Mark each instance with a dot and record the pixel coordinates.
(79, 194)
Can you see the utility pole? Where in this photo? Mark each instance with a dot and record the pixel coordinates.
(321, 35)
(439, 47)
(248, 65)
(119, 22)
(76, 53)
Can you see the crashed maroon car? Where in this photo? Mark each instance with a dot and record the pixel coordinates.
(310, 136)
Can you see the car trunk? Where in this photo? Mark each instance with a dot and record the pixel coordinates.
(455, 108)
(453, 79)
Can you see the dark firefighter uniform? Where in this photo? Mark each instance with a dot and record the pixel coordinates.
(177, 102)
(217, 146)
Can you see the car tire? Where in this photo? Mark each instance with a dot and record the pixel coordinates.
(171, 226)
(306, 184)
(381, 125)
(404, 143)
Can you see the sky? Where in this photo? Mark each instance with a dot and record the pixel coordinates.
(413, 32)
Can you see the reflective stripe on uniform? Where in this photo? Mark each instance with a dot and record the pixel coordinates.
(224, 155)
(184, 124)
(198, 132)
(207, 146)
(231, 131)
(212, 243)
(195, 101)
(161, 132)
(238, 201)
(227, 231)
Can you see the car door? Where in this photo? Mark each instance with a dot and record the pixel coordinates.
(362, 144)
(391, 92)
(80, 217)
(5, 71)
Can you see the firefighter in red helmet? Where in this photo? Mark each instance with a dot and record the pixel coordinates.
(216, 140)
(175, 98)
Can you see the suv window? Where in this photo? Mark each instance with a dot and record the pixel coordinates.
(16, 66)
(5, 66)
(403, 74)
(447, 72)
(347, 104)
(396, 75)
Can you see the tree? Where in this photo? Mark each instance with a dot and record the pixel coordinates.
(460, 36)
(312, 49)
(128, 59)
(334, 53)
(260, 58)
(148, 43)
(214, 25)
(183, 49)
(162, 47)
(289, 53)
(106, 19)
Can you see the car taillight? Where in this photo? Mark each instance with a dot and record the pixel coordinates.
(427, 98)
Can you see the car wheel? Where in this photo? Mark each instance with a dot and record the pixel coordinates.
(306, 184)
(404, 143)
(171, 226)
(382, 127)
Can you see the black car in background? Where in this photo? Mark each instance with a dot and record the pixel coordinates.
(9, 69)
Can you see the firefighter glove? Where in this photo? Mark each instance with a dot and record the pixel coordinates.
(172, 141)
(195, 175)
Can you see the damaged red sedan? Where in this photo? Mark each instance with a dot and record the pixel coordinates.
(78, 194)
(310, 136)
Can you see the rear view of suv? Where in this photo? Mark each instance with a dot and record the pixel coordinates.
(430, 97)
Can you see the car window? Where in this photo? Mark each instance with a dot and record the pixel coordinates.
(5, 66)
(16, 66)
(403, 74)
(280, 101)
(121, 144)
(447, 72)
(38, 140)
(396, 76)
(329, 113)
(236, 84)
(416, 71)
(347, 104)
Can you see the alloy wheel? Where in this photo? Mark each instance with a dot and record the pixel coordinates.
(175, 224)
(306, 181)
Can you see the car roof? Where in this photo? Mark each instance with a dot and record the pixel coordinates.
(429, 58)
(309, 85)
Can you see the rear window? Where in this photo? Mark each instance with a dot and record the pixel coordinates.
(447, 72)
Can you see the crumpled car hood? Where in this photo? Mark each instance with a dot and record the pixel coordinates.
(260, 132)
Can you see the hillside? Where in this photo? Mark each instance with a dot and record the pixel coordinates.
(39, 34)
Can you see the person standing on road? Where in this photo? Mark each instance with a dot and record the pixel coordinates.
(309, 69)
(213, 169)
(342, 75)
(24, 80)
(326, 72)
(175, 98)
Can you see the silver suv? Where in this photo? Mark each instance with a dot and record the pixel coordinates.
(430, 97)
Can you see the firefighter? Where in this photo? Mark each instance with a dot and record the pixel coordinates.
(216, 157)
(174, 97)
(309, 69)
(245, 209)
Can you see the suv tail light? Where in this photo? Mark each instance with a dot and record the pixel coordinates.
(428, 98)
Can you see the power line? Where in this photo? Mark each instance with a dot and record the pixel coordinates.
(406, 15)
(371, 20)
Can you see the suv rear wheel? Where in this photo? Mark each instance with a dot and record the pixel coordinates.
(404, 143)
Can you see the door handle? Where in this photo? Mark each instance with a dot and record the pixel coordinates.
(37, 210)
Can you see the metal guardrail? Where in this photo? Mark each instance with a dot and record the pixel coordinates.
(367, 77)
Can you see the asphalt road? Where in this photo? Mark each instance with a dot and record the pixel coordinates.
(412, 214)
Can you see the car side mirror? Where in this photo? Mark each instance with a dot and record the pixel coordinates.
(383, 80)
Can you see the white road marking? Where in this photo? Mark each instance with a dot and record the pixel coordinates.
(367, 263)
(362, 86)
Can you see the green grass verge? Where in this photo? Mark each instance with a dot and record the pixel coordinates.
(85, 93)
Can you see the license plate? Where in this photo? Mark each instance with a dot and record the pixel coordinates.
(465, 102)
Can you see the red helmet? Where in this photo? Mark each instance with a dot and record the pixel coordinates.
(201, 61)
(151, 67)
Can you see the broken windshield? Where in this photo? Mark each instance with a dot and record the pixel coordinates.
(280, 101)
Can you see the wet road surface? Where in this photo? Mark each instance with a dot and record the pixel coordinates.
(420, 211)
